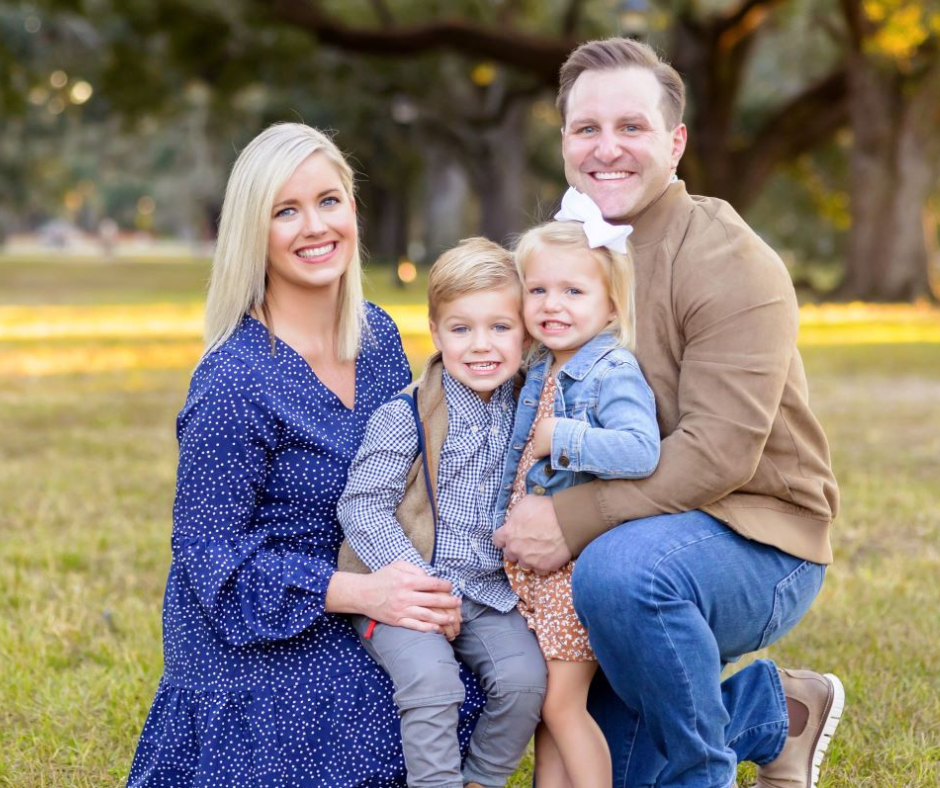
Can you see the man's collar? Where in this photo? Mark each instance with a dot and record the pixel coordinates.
(652, 223)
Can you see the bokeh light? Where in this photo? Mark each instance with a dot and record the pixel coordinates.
(81, 91)
(407, 271)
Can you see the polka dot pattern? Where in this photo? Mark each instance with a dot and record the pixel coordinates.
(261, 686)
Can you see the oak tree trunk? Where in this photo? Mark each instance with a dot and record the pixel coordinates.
(894, 169)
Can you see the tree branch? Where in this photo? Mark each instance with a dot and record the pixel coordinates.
(854, 21)
(795, 128)
(537, 55)
(383, 12)
(749, 15)
(572, 18)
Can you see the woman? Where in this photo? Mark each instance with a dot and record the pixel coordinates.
(264, 685)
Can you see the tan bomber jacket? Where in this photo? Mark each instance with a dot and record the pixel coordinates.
(717, 322)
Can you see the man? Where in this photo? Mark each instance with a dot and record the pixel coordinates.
(724, 547)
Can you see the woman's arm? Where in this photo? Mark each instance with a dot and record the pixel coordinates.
(252, 584)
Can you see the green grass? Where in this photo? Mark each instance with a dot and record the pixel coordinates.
(86, 491)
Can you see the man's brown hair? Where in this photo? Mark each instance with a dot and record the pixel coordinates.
(613, 53)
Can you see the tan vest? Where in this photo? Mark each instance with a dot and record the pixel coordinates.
(416, 510)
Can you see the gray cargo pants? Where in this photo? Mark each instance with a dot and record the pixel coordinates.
(505, 656)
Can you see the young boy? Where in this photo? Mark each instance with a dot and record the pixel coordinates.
(425, 493)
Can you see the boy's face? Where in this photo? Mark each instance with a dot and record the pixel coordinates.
(480, 336)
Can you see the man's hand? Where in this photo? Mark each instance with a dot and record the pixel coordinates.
(542, 440)
(532, 537)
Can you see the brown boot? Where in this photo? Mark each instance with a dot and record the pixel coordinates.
(815, 702)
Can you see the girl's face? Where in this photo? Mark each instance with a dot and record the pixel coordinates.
(313, 235)
(566, 302)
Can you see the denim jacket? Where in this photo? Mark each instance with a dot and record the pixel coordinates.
(607, 422)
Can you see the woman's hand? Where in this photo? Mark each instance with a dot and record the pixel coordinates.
(399, 594)
(542, 440)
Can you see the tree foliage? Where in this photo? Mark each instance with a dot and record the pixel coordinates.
(423, 90)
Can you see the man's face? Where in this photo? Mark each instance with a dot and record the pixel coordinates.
(616, 146)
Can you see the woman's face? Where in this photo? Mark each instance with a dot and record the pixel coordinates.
(313, 232)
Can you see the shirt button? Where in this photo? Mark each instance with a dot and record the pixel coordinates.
(495, 430)
(482, 488)
(564, 461)
(538, 490)
(474, 428)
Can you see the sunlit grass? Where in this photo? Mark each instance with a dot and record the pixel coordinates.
(67, 339)
(94, 364)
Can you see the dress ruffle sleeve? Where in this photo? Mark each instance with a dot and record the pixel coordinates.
(252, 585)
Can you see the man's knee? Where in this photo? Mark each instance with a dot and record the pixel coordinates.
(605, 576)
(620, 574)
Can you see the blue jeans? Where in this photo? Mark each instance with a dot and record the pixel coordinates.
(668, 602)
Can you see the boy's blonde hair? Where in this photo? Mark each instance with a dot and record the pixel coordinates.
(474, 265)
(616, 268)
(239, 267)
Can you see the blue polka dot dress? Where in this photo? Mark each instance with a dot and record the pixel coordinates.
(261, 687)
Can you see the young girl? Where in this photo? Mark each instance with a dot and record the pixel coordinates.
(584, 412)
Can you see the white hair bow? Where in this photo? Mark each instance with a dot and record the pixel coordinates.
(578, 207)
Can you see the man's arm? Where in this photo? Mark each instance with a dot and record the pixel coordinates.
(739, 319)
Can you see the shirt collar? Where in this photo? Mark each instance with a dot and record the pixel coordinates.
(467, 404)
(653, 222)
(582, 362)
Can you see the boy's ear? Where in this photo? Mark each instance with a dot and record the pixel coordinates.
(435, 338)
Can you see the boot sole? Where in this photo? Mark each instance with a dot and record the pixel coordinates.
(833, 716)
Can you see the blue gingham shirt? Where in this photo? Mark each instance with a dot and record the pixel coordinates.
(468, 480)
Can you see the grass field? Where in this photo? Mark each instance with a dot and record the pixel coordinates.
(94, 363)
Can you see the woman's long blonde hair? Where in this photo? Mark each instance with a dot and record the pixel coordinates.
(237, 283)
(617, 270)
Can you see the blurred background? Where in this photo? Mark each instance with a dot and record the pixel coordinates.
(819, 120)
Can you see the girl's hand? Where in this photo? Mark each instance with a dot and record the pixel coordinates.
(402, 595)
(542, 440)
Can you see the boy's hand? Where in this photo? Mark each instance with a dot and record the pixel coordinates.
(452, 630)
(542, 440)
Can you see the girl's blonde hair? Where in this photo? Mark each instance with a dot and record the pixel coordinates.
(237, 283)
(616, 268)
